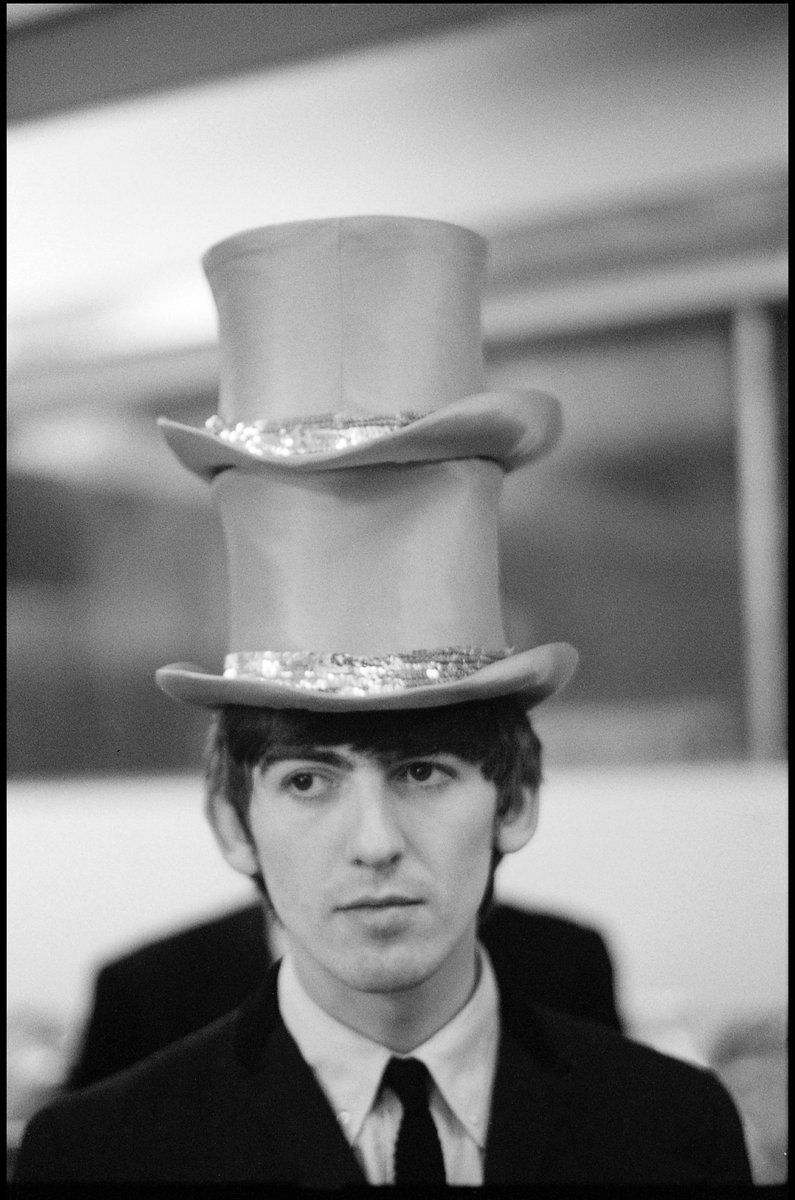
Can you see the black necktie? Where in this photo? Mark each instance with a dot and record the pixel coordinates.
(418, 1152)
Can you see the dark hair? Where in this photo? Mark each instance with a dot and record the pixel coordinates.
(494, 735)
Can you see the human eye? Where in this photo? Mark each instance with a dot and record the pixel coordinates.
(424, 773)
(306, 784)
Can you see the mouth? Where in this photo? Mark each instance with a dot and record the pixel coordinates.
(370, 903)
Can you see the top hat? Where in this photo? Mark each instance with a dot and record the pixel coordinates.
(356, 463)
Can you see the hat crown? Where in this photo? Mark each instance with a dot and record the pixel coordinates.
(365, 562)
(367, 315)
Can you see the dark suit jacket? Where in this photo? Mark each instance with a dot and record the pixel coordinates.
(172, 987)
(573, 1103)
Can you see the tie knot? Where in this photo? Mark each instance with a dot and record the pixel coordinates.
(409, 1079)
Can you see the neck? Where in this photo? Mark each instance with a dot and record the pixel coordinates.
(402, 1019)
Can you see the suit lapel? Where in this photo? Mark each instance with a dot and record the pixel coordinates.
(299, 1135)
(529, 1103)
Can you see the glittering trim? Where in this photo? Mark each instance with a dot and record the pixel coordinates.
(351, 675)
(307, 435)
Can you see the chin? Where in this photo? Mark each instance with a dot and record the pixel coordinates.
(392, 972)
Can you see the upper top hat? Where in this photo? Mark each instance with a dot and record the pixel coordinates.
(356, 462)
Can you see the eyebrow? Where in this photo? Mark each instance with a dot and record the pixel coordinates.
(329, 758)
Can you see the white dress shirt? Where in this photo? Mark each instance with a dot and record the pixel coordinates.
(461, 1057)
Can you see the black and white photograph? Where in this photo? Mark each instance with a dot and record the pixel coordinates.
(397, 589)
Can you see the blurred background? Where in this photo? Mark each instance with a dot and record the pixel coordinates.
(627, 163)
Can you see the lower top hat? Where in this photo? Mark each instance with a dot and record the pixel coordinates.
(367, 588)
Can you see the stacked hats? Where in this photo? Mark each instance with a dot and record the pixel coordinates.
(356, 463)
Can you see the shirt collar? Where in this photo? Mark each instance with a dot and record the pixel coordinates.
(348, 1065)
(461, 1056)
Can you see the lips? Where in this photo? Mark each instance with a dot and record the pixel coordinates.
(374, 902)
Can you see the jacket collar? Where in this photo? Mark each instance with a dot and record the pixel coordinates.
(531, 1094)
(305, 1145)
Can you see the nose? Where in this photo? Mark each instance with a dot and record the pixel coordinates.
(376, 839)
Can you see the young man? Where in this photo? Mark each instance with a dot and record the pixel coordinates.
(370, 786)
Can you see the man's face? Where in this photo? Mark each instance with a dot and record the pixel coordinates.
(375, 870)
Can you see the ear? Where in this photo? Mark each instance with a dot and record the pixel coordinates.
(515, 829)
(231, 836)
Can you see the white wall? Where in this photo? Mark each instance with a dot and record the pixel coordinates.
(96, 865)
(683, 868)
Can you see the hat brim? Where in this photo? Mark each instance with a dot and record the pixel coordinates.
(533, 674)
(512, 427)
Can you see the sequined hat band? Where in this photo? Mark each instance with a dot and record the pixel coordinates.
(307, 435)
(352, 675)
